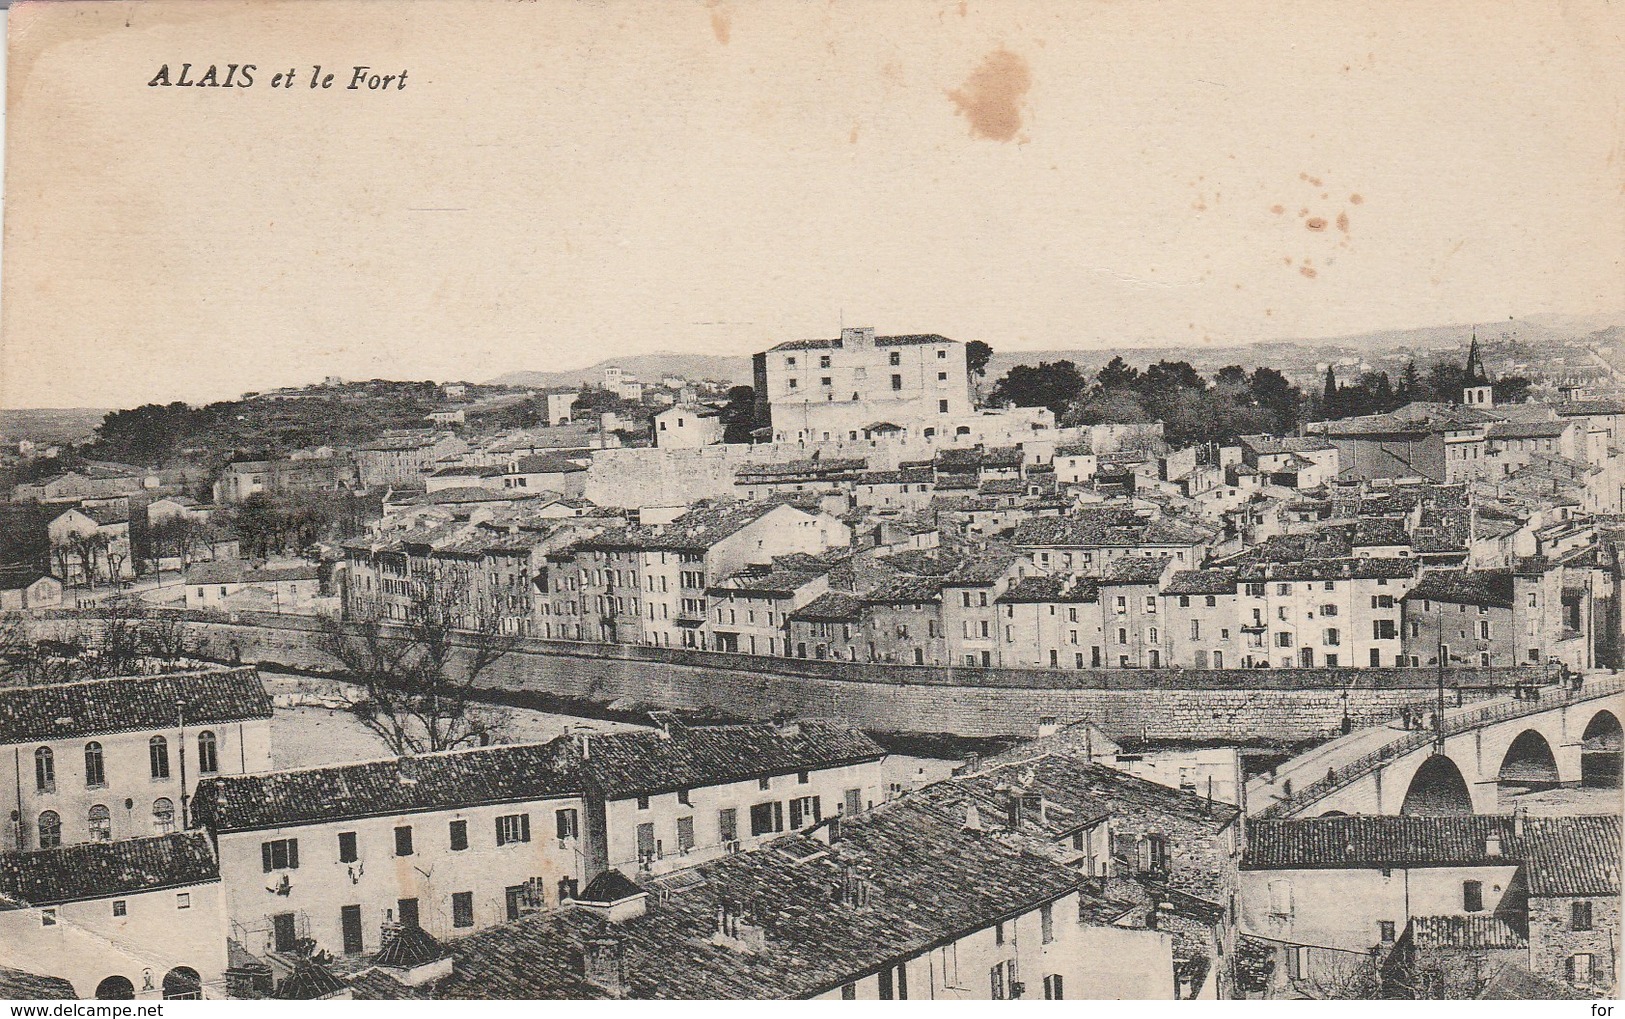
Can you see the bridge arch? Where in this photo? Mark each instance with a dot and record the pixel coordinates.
(1529, 761)
(1600, 749)
(1437, 789)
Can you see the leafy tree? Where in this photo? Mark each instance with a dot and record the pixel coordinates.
(1048, 385)
(1117, 377)
(416, 680)
(977, 355)
(739, 414)
(1511, 389)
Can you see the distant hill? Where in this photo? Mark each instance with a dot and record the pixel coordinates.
(643, 367)
(58, 425)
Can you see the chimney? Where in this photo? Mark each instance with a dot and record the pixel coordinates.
(583, 741)
(973, 763)
(1048, 726)
(973, 818)
(603, 963)
(1492, 844)
(1518, 816)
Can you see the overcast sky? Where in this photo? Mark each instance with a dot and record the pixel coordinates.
(560, 183)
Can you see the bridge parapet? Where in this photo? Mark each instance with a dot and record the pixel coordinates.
(1465, 721)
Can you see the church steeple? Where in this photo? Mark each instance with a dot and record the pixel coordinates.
(1476, 390)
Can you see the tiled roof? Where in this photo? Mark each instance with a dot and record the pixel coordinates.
(1577, 408)
(925, 881)
(1074, 449)
(837, 606)
(1137, 570)
(1380, 531)
(1221, 580)
(1042, 588)
(30, 714)
(16, 985)
(779, 582)
(1492, 588)
(1528, 429)
(1268, 444)
(690, 757)
(467, 471)
(504, 773)
(409, 946)
(905, 590)
(880, 341)
(545, 463)
(1565, 855)
(309, 981)
(1363, 568)
(1097, 527)
(1475, 933)
(16, 580)
(97, 870)
(609, 887)
(613, 764)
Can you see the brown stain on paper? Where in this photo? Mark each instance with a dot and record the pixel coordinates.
(991, 98)
(721, 21)
(1315, 223)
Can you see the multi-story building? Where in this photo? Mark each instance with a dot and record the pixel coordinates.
(1334, 893)
(813, 391)
(1135, 631)
(1051, 622)
(456, 841)
(92, 543)
(1491, 618)
(750, 611)
(109, 759)
(1088, 542)
(1323, 612)
(686, 426)
(969, 606)
(138, 918)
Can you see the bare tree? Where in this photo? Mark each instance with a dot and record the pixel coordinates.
(177, 536)
(416, 678)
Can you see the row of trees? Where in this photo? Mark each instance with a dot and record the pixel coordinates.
(123, 638)
(1373, 392)
(1192, 408)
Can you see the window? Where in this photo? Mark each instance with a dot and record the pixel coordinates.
(158, 751)
(1151, 634)
(183, 900)
(47, 916)
(996, 980)
(347, 847)
(568, 823)
(462, 909)
(208, 760)
(1472, 896)
(685, 834)
(648, 848)
(1328, 610)
(643, 803)
(1283, 589)
(1283, 640)
(802, 778)
(894, 359)
(766, 818)
(50, 829)
(764, 783)
(1046, 921)
(279, 854)
(823, 361)
(896, 382)
(1196, 629)
(403, 840)
(1333, 638)
(998, 934)
(1580, 916)
(1484, 629)
(942, 406)
(1382, 629)
(1052, 987)
(1581, 968)
(853, 801)
(408, 911)
(1151, 603)
(512, 828)
(163, 815)
(120, 908)
(101, 823)
(458, 832)
(45, 770)
(849, 992)
(1385, 931)
(1280, 898)
(728, 829)
(1122, 604)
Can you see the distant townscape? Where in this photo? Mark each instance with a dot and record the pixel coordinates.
(877, 667)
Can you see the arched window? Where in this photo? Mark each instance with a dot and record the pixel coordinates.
(208, 761)
(101, 824)
(182, 982)
(158, 748)
(50, 830)
(45, 770)
(94, 774)
(163, 815)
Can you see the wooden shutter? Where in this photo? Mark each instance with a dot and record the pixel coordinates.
(293, 854)
(501, 835)
(265, 856)
(524, 827)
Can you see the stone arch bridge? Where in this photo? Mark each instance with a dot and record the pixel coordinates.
(1567, 737)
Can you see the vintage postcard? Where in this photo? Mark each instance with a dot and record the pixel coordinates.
(710, 499)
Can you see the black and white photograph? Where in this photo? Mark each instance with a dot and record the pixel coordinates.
(931, 500)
